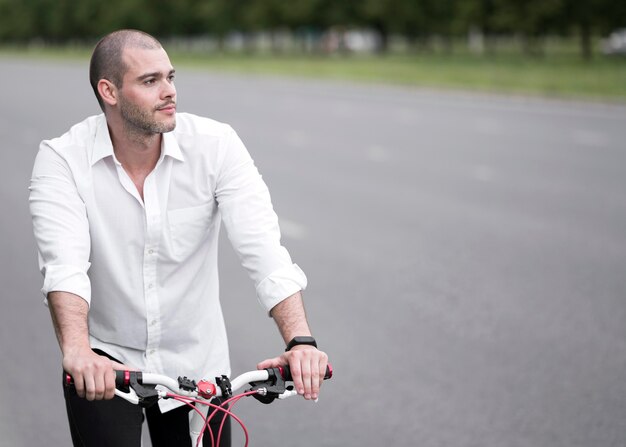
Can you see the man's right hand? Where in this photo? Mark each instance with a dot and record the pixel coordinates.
(93, 374)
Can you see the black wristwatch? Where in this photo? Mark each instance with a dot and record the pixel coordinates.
(301, 340)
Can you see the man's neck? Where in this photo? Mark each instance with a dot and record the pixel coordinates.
(137, 152)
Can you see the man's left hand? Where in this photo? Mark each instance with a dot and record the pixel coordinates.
(308, 367)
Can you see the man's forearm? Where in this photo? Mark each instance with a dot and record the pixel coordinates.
(93, 374)
(307, 363)
(290, 317)
(69, 318)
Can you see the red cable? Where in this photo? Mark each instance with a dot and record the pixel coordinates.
(201, 415)
(188, 400)
(234, 400)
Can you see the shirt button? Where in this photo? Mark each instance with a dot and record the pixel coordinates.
(152, 351)
(153, 322)
(150, 286)
(150, 251)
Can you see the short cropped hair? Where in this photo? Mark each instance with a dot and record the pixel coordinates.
(107, 62)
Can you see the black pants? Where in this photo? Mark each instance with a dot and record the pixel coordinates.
(117, 423)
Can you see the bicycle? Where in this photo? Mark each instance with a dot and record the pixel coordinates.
(266, 385)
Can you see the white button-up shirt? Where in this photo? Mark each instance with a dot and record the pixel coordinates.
(148, 268)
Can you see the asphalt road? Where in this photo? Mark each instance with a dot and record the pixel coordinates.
(466, 257)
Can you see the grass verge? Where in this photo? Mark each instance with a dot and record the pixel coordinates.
(565, 76)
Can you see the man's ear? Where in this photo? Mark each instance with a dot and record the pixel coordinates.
(108, 92)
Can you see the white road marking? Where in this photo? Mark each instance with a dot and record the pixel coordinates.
(482, 173)
(296, 138)
(487, 126)
(291, 229)
(377, 154)
(590, 138)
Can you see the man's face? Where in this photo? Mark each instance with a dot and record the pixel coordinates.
(147, 98)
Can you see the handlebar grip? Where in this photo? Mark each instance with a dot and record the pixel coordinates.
(285, 372)
(122, 378)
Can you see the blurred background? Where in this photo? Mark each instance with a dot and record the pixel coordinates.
(321, 25)
(451, 176)
(556, 47)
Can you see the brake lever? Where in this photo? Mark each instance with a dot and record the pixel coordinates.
(271, 388)
(139, 394)
(131, 396)
(288, 393)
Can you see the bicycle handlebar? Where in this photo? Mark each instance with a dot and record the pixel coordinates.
(140, 388)
(141, 385)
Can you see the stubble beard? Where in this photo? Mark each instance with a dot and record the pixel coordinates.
(142, 121)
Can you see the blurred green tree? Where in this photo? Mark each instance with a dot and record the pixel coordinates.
(16, 21)
(417, 20)
(588, 17)
(532, 20)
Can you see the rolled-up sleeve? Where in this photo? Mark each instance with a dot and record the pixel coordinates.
(60, 226)
(281, 284)
(252, 226)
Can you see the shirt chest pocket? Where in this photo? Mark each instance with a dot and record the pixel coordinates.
(189, 227)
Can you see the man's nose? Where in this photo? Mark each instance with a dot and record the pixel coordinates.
(169, 90)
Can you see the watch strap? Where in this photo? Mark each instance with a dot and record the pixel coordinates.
(301, 340)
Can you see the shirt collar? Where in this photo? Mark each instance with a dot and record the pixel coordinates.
(103, 147)
(169, 146)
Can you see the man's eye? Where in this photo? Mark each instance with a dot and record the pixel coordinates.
(149, 81)
(171, 78)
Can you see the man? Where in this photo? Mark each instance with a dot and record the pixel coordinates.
(126, 211)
